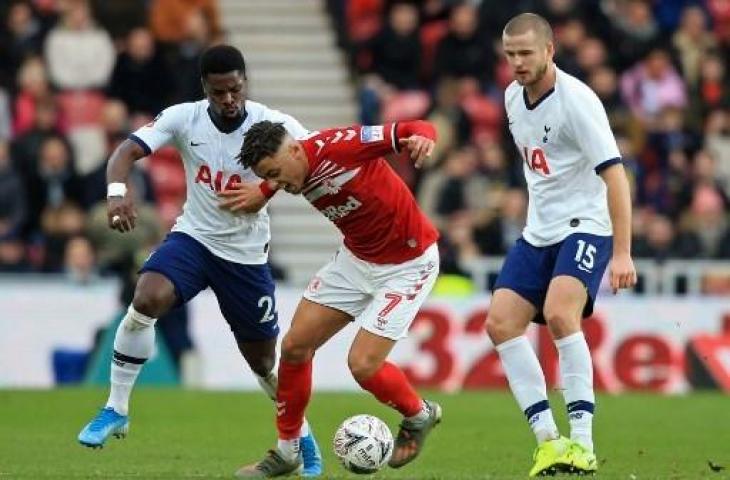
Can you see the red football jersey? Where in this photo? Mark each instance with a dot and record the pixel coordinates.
(352, 185)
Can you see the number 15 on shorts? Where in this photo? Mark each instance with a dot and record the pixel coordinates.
(585, 256)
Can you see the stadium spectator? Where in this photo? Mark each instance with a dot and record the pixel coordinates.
(53, 185)
(80, 55)
(167, 16)
(79, 262)
(119, 17)
(456, 245)
(692, 41)
(661, 241)
(464, 51)
(141, 78)
(13, 209)
(6, 119)
(569, 40)
(21, 38)
(449, 118)
(651, 85)
(717, 142)
(446, 190)
(591, 54)
(26, 146)
(186, 59)
(501, 230)
(396, 49)
(708, 219)
(33, 88)
(634, 32)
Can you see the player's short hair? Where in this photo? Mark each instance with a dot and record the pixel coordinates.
(222, 59)
(262, 140)
(524, 22)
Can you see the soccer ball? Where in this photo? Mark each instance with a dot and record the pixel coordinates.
(363, 444)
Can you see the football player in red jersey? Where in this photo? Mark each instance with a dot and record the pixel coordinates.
(381, 275)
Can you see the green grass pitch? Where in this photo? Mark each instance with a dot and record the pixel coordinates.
(179, 434)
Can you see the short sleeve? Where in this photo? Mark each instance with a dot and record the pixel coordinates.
(163, 129)
(592, 130)
(357, 144)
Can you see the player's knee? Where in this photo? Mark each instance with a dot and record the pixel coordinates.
(561, 323)
(135, 320)
(499, 328)
(150, 302)
(294, 351)
(363, 366)
(263, 365)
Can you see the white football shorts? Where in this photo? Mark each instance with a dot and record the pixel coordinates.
(383, 299)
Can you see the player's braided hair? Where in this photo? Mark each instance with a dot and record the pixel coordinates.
(263, 139)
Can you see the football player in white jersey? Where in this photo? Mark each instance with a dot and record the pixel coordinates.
(579, 218)
(208, 246)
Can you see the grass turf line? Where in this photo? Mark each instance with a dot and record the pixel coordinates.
(198, 435)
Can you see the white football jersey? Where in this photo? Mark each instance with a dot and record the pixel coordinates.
(209, 157)
(565, 140)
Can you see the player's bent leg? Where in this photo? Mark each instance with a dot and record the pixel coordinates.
(564, 303)
(313, 324)
(564, 308)
(260, 355)
(509, 316)
(133, 345)
(391, 387)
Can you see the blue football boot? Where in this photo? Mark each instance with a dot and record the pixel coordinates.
(311, 455)
(106, 422)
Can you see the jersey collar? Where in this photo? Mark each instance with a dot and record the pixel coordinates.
(538, 101)
(227, 126)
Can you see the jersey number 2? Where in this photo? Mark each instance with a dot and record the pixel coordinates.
(269, 302)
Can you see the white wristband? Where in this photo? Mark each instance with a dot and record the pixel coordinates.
(116, 189)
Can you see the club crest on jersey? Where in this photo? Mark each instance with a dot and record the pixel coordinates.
(370, 134)
(547, 130)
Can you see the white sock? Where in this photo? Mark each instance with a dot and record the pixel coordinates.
(268, 385)
(422, 415)
(134, 343)
(576, 371)
(527, 382)
(289, 449)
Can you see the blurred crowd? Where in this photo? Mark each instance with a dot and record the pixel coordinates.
(76, 77)
(660, 68)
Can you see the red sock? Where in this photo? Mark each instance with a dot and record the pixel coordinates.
(292, 397)
(390, 385)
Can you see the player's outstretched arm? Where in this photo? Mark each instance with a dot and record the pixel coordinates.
(246, 197)
(120, 206)
(621, 270)
(418, 138)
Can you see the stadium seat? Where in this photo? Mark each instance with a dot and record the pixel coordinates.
(81, 108)
(364, 19)
(406, 105)
(168, 181)
(485, 115)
